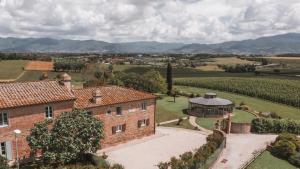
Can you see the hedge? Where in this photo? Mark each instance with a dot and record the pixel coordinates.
(267, 125)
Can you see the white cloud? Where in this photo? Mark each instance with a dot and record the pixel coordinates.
(202, 21)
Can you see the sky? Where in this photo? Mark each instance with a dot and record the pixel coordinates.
(184, 21)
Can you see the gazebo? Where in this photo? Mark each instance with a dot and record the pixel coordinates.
(210, 106)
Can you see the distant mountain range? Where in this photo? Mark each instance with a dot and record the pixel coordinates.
(279, 44)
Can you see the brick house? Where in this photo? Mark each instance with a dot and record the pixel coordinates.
(126, 113)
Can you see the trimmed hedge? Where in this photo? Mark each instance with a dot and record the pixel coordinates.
(267, 125)
(197, 159)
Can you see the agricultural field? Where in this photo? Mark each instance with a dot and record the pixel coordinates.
(39, 65)
(255, 104)
(277, 90)
(267, 161)
(231, 61)
(11, 69)
(239, 116)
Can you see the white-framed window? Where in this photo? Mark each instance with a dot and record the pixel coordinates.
(6, 149)
(48, 112)
(143, 123)
(144, 106)
(119, 111)
(131, 108)
(3, 119)
(118, 128)
(3, 149)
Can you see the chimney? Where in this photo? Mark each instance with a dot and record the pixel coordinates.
(97, 97)
(66, 81)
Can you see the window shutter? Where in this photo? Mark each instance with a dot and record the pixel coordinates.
(139, 123)
(147, 122)
(114, 129)
(8, 150)
(123, 127)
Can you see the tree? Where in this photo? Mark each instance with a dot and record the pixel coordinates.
(72, 135)
(156, 83)
(169, 78)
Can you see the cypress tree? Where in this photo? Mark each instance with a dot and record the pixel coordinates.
(169, 78)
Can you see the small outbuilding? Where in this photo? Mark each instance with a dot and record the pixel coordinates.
(210, 106)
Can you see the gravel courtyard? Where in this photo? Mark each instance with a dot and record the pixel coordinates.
(240, 148)
(146, 153)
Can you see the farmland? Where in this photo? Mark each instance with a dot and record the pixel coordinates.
(11, 69)
(256, 104)
(277, 90)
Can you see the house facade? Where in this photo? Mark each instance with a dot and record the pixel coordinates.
(126, 113)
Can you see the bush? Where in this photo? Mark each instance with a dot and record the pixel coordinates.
(295, 159)
(264, 125)
(189, 160)
(3, 163)
(283, 149)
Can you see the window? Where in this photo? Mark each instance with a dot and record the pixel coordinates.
(119, 111)
(131, 108)
(118, 128)
(48, 112)
(3, 149)
(144, 106)
(6, 149)
(4, 119)
(143, 123)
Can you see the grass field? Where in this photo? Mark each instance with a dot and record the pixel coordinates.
(39, 65)
(184, 124)
(254, 103)
(168, 110)
(239, 116)
(267, 161)
(11, 69)
(230, 61)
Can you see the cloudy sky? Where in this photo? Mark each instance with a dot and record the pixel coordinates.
(188, 21)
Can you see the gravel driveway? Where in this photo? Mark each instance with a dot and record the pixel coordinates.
(240, 148)
(146, 153)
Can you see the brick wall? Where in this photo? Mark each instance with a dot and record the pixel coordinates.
(23, 118)
(129, 118)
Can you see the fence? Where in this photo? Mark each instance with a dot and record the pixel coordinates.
(256, 154)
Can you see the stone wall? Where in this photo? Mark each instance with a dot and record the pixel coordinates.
(241, 128)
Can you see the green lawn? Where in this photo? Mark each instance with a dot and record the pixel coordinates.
(184, 124)
(11, 69)
(239, 116)
(268, 161)
(168, 110)
(255, 103)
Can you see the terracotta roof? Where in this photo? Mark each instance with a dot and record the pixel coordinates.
(110, 95)
(29, 93)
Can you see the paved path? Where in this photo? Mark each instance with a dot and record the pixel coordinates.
(146, 153)
(240, 148)
(171, 121)
(192, 121)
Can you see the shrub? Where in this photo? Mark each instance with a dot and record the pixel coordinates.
(163, 165)
(3, 163)
(283, 149)
(295, 159)
(117, 166)
(266, 125)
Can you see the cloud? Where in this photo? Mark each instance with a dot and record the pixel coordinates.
(189, 21)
